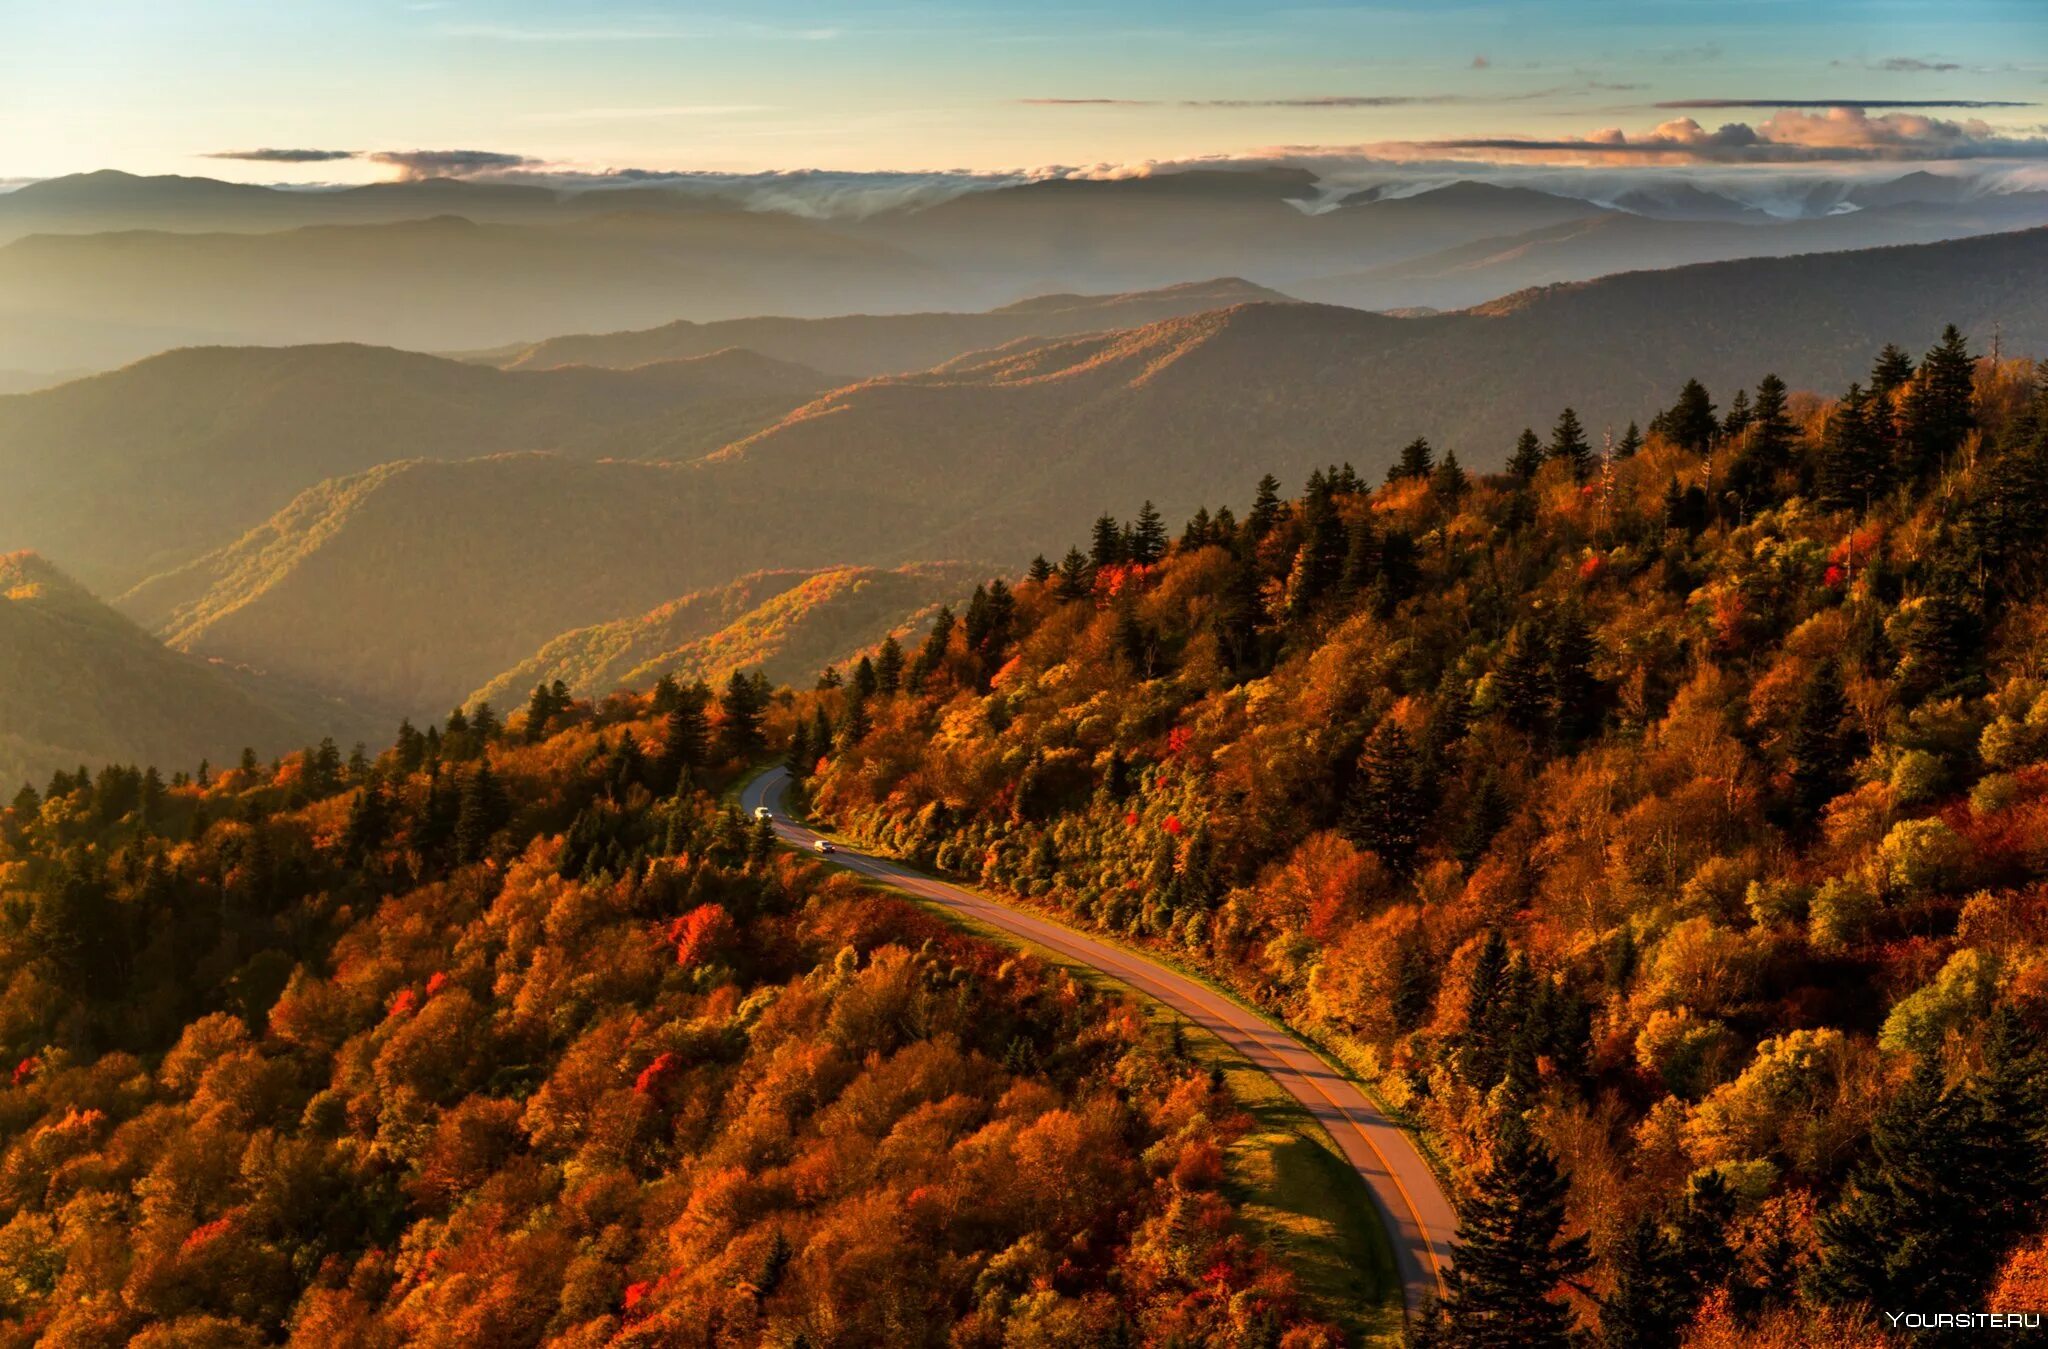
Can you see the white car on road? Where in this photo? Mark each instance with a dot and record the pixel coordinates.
(825, 845)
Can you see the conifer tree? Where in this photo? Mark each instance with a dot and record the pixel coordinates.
(1384, 811)
(1528, 455)
(1266, 509)
(1650, 1302)
(1849, 470)
(1940, 405)
(1738, 418)
(1630, 444)
(482, 812)
(1910, 1230)
(1521, 679)
(1449, 481)
(1148, 536)
(1107, 547)
(1417, 461)
(1891, 372)
(1568, 445)
(1511, 1256)
(1574, 691)
(1073, 576)
(761, 842)
(739, 717)
(683, 742)
(801, 758)
(1361, 555)
(1820, 745)
(1689, 423)
(667, 693)
(820, 738)
(1040, 570)
(889, 666)
(866, 682)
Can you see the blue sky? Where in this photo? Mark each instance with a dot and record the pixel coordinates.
(155, 85)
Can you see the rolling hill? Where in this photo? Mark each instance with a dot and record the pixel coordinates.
(141, 469)
(416, 582)
(85, 685)
(859, 345)
(444, 283)
(790, 624)
(1594, 246)
(1185, 411)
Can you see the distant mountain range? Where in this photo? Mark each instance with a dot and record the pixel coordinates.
(135, 471)
(105, 268)
(414, 583)
(859, 345)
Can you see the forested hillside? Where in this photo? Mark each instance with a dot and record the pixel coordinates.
(511, 1036)
(1666, 834)
(785, 625)
(81, 684)
(140, 470)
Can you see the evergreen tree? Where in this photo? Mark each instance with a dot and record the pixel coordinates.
(1910, 1230)
(369, 823)
(1417, 461)
(1689, 423)
(1148, 536)
(1074, 579)
(866, 681)
(541, 711)
(1266, 509)
(1361, 555)
(1849, 468)
(683, 742)
(484, 723)
(667, 693)
(1511, 1255)
(1568, 445)
(1738, 418)
(1481, 1051)
(1528, 455)
(932, 655)
(821, 736)
(1820, 746)
(1574, 691)
(802, 757)
(1940, 405)
(1521, 679)
(1449, 481)
(1107, 546)
(761, 842)
(1484, 818)
(483, 811)
(1630, 444)
(889, 666)
(740, 709)
(1651, 1303)
(1384, 811)
(1040, 570)
(1892, 371)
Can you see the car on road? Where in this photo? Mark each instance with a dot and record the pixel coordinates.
(763, 813)
(825, 845)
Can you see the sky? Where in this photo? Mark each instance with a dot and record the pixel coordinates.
(346, 90)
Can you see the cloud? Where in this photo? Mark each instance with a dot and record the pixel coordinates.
(1334, 101)
(415, 164)
(1791, 136)
(271, 156)
(1706, 104)
(646, 114)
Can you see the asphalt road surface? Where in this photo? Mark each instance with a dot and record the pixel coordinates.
(1417, 1213)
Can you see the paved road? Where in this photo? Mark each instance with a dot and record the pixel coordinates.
(1413, 1206)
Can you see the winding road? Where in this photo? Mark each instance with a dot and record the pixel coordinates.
(1418, 1215)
